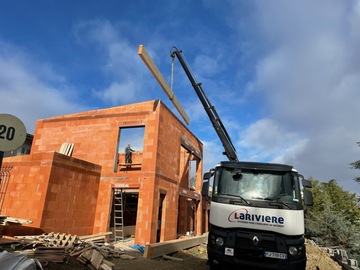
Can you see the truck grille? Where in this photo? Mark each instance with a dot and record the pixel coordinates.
(268, 245)
(245, 241)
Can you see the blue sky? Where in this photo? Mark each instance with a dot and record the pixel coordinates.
(284, 76)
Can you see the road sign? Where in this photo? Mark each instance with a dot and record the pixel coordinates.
(12, 132)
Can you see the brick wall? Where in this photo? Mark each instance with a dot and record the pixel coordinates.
(58, 193)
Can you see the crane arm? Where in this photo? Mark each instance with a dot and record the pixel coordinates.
(223, 135)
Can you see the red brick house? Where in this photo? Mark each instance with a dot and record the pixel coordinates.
(75, 179)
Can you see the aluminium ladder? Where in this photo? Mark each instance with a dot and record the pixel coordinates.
(118, 216)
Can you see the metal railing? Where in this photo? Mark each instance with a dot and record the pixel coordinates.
(4, 182)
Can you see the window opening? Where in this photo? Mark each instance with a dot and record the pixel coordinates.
(133, 139)
(188, 168)
(192, 174)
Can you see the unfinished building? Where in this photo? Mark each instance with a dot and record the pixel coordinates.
(76, 180)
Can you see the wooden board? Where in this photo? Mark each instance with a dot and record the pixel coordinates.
(129, 164)
(163, 248)
(8, 240)
(160, 79)
(96, 259)
(92, 237)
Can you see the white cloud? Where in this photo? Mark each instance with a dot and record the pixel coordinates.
(212, 154)
(121, 63)
(266, 141)
(124, 92)
(31, 90)
(207, 66)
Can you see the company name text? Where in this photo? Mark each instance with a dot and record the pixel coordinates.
(258, 218)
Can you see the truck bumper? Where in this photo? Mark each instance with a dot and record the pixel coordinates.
(255, 263)
(269, 251)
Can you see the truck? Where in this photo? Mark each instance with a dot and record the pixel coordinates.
(256, 216)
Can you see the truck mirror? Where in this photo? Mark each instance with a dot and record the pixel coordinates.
(207, 175)
(306, 183)
(205, 189)
(308, 198)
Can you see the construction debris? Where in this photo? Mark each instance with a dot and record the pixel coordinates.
(50, 240)
(100, 237)
(46, 254)
(91, 250)
(5, 220)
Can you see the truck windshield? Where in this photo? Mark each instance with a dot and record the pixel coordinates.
(281, 187)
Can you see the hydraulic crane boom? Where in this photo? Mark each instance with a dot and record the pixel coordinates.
(224, 137)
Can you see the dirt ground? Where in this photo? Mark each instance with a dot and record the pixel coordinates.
(194, 258)
(319, 259)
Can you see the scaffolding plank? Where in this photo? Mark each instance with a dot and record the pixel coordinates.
(129, 164)
(159, 249)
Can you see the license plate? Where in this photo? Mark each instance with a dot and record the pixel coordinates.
(276, 255)
(229, 251)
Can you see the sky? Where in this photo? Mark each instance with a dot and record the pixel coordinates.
(284, 76)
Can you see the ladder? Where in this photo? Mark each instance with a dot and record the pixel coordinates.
(118, 216)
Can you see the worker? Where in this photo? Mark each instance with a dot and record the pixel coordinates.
(128, 154)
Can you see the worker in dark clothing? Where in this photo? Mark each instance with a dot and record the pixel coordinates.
(128, 154)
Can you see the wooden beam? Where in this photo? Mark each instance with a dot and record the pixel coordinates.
(160, 79)
(159, 249)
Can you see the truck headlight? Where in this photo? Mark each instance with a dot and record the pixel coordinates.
(293, 251)
(219, 241)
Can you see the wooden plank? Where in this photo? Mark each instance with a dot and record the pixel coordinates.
(71, 149)
(172, 258)
(72, 241)
(62, 148)
(105, 267)
(94, 236)
(108, 263)
(17, 220)
(8, 240)
(163, 248)
(77, 252)
(96, 259)
(53, 254)
(160, 79)
(129, 164)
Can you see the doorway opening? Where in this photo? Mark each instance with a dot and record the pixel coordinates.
(187, 209)
(161, 217)
(123, 213)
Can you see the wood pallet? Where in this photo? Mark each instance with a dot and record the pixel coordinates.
(88, 249)
(51, 239)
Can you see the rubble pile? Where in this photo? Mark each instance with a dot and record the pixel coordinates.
(91, 250)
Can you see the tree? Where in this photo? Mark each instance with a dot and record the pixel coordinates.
(356, 165)
(339, 200)
(332, 229)
(334, 220)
